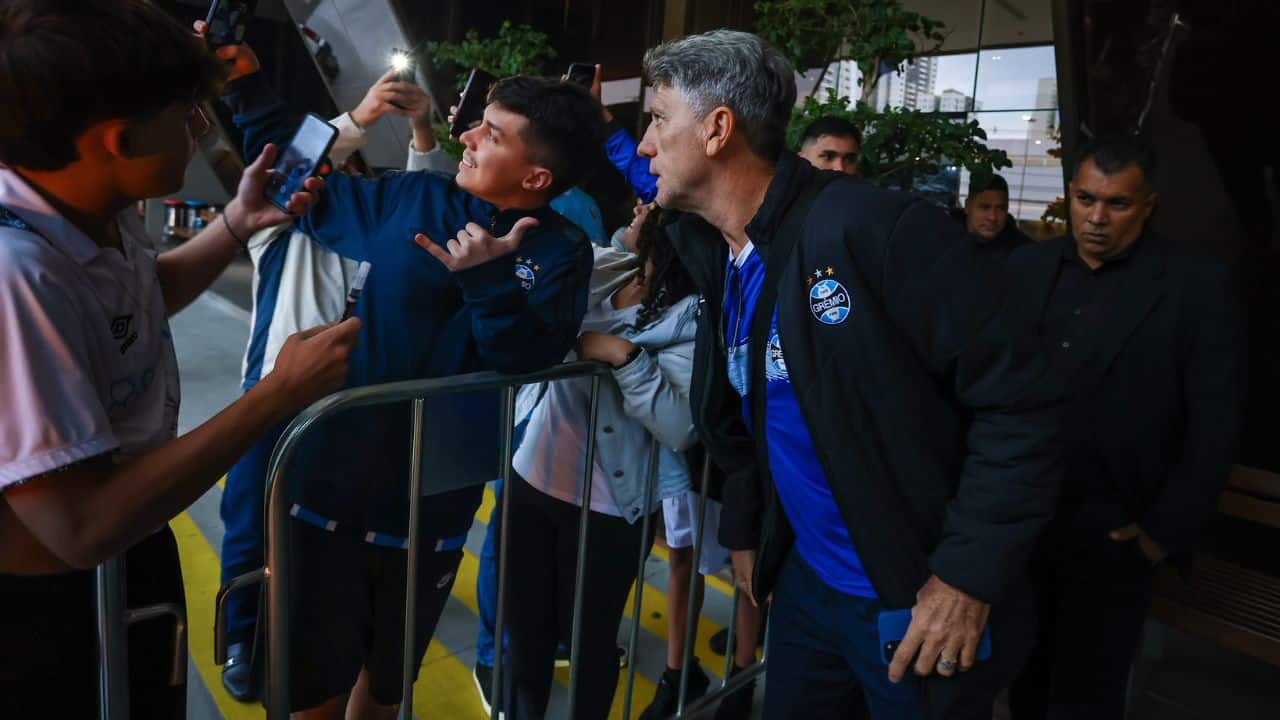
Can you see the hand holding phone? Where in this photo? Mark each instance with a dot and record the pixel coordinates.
(300, 160)
(227, 20)
(472, 103)
(582, 74)
(892, 627)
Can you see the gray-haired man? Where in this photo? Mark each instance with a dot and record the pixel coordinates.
(894, 459)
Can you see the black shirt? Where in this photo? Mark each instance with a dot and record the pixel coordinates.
(1076, 311)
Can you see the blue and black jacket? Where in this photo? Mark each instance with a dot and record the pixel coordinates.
(516, 314)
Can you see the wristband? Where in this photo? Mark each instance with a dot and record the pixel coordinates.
(227, 223)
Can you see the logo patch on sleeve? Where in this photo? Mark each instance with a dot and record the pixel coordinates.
(527, 272)
(829, 300)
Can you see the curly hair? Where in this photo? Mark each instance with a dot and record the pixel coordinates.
(670, 282)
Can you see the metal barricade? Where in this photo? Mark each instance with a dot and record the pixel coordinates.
(278, 560)
(113, 620)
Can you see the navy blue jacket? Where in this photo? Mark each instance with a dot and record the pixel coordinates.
(515, 314)
(931, 420)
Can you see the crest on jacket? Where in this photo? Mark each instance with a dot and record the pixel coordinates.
(527, 272)
(775, 364)
(829, 300)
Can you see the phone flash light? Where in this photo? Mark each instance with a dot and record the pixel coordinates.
(401, 61)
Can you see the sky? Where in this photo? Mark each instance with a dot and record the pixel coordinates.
(1006, 79)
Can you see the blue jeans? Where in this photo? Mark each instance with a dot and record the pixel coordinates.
(825, 661)
(242, 542)
(487, 585)
(824, 655)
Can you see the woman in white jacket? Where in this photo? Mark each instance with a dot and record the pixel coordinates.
(640, 320)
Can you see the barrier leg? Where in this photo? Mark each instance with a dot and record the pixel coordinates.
(277, 578)
(496, 694)
(641, 556)
(411, 564)
(113, 649)
(690, 614)
(579, 576)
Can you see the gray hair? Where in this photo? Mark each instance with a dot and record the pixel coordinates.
(737, 70)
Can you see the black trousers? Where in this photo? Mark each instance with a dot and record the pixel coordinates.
(542, 559)
(1093, 595)
(49, 666)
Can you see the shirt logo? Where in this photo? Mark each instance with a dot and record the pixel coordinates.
(775, 364)
(120, 331)
(527, 272)
(829, 301)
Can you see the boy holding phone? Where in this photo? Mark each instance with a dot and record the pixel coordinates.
(507, 293)
(89, 463)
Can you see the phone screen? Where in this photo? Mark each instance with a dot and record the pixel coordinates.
(582, 73)
(227, 20)
(300, 159)
(474, 97)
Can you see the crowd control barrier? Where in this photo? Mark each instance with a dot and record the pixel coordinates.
(281, 485)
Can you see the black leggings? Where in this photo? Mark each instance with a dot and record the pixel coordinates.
(542, 558)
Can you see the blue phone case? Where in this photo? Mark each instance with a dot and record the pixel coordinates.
(892, 626)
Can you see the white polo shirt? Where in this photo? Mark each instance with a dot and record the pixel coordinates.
(87, 364)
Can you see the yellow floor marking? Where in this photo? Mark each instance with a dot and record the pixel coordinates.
(444, 688)
(200, 573)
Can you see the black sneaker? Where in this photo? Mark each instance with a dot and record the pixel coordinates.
(483, 677)
(562, 656)
(666, 697)
(237, 673)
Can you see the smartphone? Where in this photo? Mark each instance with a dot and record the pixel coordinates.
(582, 73)
(227, 20)
(472, 103)
(300, 160)
(892, 626)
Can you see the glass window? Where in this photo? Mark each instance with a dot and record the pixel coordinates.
(1035, 180)
(1017, 79)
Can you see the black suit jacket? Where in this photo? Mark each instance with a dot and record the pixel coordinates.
(1159, 393)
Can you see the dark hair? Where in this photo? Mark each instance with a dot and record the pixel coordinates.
(565, 132)
(66, 65)
(996, 183)
(1113, 153)
(671, 282)
(831, 125)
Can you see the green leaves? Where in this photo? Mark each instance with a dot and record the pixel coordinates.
(516, 50)
(901, 146)
(879, 35)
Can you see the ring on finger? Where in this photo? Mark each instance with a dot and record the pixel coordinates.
(945, 666)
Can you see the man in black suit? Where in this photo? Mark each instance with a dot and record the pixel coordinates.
(1143, 333)
(987, 220)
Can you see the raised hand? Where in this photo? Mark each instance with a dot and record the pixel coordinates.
(241, 59)
(474, 245)
(390, 95)
(249, 211)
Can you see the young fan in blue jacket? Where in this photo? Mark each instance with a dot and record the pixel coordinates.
(468, 275)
